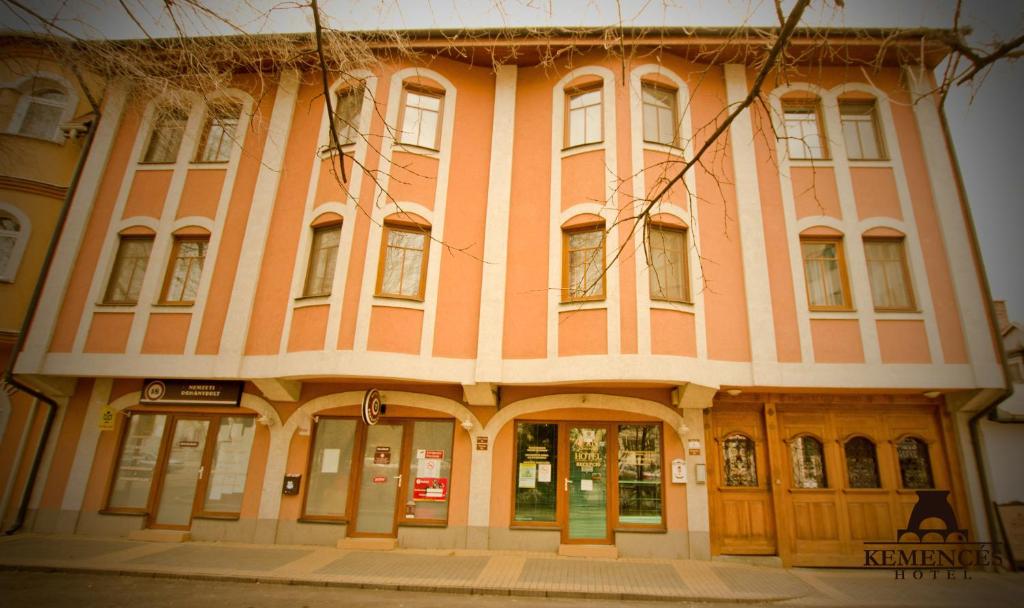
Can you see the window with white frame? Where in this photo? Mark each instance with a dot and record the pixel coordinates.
(323, 256)
(129, 270)
(347, 107)
(805, 137)
(181, 285)
(659, 109)
(218, 133)
(41, 108)
(421, 118)
(584, 117)
(12, 236)
(165, 136)
(861, 131)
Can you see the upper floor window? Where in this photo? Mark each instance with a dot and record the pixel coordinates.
(888, 274)
(218, 133)
(421, 118)
(10, 237)
(323, 256)
(805, 137)
(165, 136)
(659, 107)
(583, 274)
(667, 269)
(860, 131)
(42, 106)
(403, 263)
(825, 273)
(347, 107)
(181, 285)
(584, 123)
(130, 263)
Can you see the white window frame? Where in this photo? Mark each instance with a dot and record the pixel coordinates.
(24, 99)
(8, 273)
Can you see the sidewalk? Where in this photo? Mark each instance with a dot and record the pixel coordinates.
(503, 573)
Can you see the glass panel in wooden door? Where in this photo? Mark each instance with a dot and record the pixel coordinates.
(587, 484)
(380, 480)
(182, 473)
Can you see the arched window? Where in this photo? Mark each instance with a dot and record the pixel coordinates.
(915, 465)
(808, 459)
(861, 463)
(740, 461)
(42, 106)
(12, 237)
(405, 244)
(323, 255)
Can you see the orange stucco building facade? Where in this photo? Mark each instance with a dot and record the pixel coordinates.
(771, 364)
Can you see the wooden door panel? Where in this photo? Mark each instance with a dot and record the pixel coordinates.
(870, 518)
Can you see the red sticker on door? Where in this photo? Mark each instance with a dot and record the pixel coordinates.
(379, 479)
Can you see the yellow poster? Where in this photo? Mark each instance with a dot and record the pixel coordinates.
(106, 418)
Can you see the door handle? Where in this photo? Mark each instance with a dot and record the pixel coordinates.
(201, 472)
(566, 484)
(399, 478)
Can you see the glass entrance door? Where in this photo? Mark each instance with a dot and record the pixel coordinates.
(181, 474)
(587, 486)
(380, 482)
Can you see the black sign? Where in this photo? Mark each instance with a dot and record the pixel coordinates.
(191, 392)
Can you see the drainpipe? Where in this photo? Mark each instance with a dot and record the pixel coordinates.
(44, 272)
(997, 340)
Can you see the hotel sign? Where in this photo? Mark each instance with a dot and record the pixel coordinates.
(191, 392)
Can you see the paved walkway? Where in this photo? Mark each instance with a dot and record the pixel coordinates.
(505, 573)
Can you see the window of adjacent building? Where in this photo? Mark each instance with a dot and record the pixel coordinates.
(165, 136)
(825, 273)
(218, 133)
(536, 469)
(181, 285)
(667, 270)
(808, 460)
(402, 271)
(1016, 365)
(129, 269)
(10, 234)
(584, 117)
(861, 132)
(740, 461)
(44, 102)
(330, 467)
(229, 467)
(347, 107)
(888, 274)
(659, 108)
(915, 464)
(583, 264)
(421, 118)
(323, 256)
(804, 134)
(861, 463)
(430, 470)
(139, 452)
(640, 474)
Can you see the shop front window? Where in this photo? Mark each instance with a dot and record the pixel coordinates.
(139, 452)
(640, 474)
(430, 470)
(740, 463)
(330, 468)
(915, 465)
(808, 460)
(861, 463)
(536, 465)
(230, 464)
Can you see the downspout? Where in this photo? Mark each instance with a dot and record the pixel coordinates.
(972, 423)
(51, 411)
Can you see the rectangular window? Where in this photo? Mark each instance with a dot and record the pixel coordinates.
(403, 262)
(536, 472)
(165, 138)
(584, 121)
(421, 118)
(640, 474)
(140, 449)
(330, 468)
(804, 134)
(129, 269)
(346, 115)
(860, 131)
(888, 274)
(659, 107)
(323, 256)
(430, 470)
(218, 133)
(667, 270)
(186, 268)
(583, 264)
(230, 465)
(825, 274)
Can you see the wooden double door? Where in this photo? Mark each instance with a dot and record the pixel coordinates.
(812, 483)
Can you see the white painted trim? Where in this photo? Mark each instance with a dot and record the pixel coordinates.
(8, 273)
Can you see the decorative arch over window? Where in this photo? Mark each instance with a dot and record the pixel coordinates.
(915, 464)
(46, 100)
(740, 461)
(14, 234)
(808, 459)
(583, 255)
(861, 463)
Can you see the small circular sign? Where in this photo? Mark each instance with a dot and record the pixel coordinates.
(371, 407)
(155, 390)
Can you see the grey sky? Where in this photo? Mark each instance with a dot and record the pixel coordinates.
(985, 120)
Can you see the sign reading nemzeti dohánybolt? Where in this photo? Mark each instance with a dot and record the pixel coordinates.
(191, 392)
